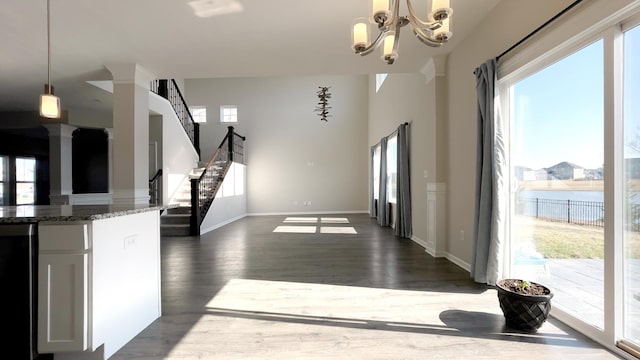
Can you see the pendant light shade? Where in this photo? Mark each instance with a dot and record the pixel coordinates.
(49, 103)
(49, 106)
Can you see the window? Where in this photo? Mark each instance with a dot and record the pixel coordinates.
(199, 114)
(234, 181)
(392, 169)
(631, 164)
(228, 114)
(4, 180)
(17, 180)
(557, 155)
(25, 181)
(376, 172)
(380, 78)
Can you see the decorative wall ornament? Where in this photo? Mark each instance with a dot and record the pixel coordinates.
(323, 105)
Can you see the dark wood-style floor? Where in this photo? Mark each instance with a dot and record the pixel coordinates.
(246, 292)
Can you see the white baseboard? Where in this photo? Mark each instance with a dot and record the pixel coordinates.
(461, 263)
(310, 213)
(219, 225)
(429, 250)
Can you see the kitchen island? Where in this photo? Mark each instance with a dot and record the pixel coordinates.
(96, 275)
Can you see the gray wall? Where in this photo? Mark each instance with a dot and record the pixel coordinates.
(488, 40)
(408, 98)
(293, 157)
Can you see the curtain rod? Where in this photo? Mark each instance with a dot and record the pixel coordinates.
(539, 28)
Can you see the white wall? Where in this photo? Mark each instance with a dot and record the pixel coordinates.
(225, 210)
(178, 155)
(408, 98)
(516, 18)
(293, 157)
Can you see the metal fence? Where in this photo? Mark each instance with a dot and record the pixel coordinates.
(590, 213)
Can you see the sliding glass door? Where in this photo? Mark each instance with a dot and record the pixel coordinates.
(573, 118)
(557, 156)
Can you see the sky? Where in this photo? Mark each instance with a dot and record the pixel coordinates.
(559, 111)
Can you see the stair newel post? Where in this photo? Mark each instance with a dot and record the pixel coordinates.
(196, 216)
(163, 88)
(231, 140)
(196, 138)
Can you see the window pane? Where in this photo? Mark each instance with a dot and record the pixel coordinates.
(239, 172)
(3, 166)
(228, 113)
(557, 221)
(25, 194)
(632, 189)
(199, 114)
(376, 173)
(392, 169)
(25, 169)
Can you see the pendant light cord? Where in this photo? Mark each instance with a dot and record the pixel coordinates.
(48, 49)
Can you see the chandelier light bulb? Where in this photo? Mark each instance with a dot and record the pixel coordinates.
(387, 49)
(360, 33)
(380, 11)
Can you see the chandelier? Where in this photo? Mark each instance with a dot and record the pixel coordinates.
(433, 32)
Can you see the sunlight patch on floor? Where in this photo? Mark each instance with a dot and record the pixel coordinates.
(301, 220)
(295, 229)
(334, 220)
(338, 230)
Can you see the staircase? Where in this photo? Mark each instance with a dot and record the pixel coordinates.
(207, 180)
(176, 220)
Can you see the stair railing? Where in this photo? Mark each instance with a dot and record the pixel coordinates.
(154, 188)
(169, 90)
(205, 187)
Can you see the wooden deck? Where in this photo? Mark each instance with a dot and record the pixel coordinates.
(578, 287)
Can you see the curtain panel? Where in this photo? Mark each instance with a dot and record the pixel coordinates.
(383, 217)
(372, 201)
(403, 203)
(491, 201)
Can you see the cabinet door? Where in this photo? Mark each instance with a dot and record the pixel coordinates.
(62, 302)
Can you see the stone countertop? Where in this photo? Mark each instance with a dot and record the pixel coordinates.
(37, 213)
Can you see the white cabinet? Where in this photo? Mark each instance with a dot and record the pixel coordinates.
(98, 283)
(63, 288)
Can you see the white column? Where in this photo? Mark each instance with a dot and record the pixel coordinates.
(60, 163)
(130, 133)
(109, 133)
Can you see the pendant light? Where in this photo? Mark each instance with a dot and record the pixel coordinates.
(49, 103)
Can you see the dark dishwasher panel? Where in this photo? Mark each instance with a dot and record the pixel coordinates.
(18, 286)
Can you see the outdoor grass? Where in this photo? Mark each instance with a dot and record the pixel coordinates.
(557, 240)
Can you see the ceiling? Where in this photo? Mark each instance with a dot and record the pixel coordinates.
(265, 38)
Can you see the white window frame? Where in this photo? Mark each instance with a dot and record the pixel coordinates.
(199, 114)
(228, 118)
(380, 78)
(570, 35)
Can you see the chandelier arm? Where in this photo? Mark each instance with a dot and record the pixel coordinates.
(415, 19)
(369, 49)
(396, 40)
(425, 38)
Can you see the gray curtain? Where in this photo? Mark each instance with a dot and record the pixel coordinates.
(490, 203)
(372, 201)
(383, 217)
(403, 203)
